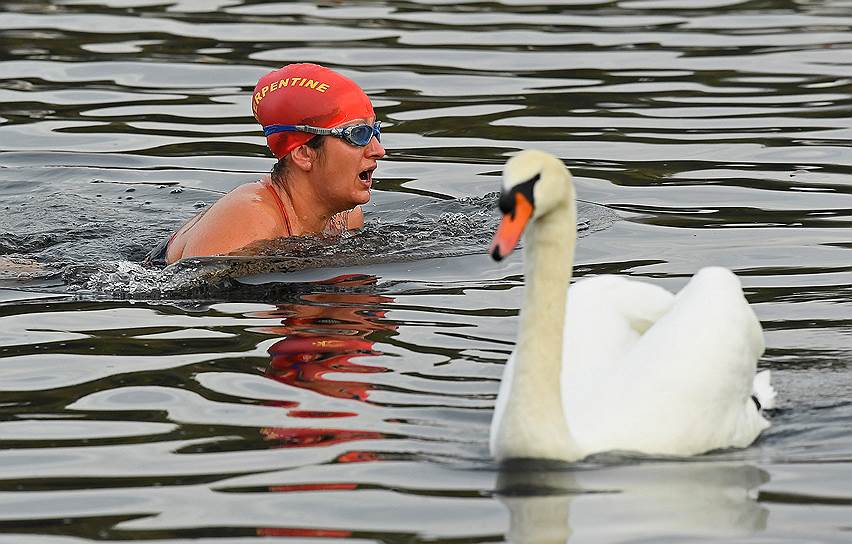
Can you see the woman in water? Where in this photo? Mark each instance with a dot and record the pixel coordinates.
(322, 129)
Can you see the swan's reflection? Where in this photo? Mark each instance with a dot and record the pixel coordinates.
(651, 500)
(538, 497)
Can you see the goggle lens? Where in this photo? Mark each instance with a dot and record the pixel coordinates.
(361, 135)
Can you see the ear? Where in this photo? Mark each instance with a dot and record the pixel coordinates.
(303, 157)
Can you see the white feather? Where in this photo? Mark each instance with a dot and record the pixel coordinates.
(763, 390)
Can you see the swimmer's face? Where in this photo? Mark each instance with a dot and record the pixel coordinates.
(345, 171)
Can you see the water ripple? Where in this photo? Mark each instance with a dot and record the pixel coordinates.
(343, 388)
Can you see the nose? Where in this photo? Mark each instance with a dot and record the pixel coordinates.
(374, 149)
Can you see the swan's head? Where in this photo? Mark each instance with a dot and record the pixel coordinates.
(534, 184)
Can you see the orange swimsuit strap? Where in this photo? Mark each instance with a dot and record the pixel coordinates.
(268, 184)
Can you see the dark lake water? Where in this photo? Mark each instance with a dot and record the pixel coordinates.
(344, 391)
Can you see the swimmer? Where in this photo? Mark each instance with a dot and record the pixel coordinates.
(322, 129)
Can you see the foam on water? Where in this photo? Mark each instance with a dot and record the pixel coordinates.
(407, 231)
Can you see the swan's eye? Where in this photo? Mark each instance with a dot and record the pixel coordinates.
(507, 199)
(507, 202)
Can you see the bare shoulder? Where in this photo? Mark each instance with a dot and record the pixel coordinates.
(242, 216)
(248, 197)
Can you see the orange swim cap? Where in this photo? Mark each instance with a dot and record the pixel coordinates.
(306, 94)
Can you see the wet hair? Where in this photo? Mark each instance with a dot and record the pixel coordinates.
(279, 171)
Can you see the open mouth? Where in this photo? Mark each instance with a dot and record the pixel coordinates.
(367, 175)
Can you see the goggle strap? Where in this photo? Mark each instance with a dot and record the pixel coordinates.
(269, 130)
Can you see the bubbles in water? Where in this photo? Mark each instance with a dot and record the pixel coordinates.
(125, 279)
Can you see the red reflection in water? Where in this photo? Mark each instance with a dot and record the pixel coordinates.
(323, 336)
(306, 369)
(298, 437)
(319, 414)
(357, 457)
(292, 531)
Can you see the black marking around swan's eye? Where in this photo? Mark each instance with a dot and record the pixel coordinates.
(507, 199)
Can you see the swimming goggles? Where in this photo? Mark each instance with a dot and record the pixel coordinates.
(357, 135)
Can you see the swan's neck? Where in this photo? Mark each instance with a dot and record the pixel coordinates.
(534, 425)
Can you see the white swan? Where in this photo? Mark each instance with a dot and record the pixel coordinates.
(622, 365)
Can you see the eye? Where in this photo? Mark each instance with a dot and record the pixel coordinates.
(361, 134)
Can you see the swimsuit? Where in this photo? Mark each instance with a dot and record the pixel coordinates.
(157, 256)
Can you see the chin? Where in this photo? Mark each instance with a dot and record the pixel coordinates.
(361, 197)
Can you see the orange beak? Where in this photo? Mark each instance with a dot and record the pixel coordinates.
(511, 228)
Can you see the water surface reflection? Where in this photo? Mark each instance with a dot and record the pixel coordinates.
(712, 132)
(654, 500)
(324, 335)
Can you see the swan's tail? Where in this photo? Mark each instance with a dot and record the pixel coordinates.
(762, 391)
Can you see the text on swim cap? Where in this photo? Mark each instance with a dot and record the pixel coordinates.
(288, 82)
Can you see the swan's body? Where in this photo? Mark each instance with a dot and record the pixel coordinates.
(622, 365)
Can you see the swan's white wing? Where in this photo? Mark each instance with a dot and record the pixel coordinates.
(500, 403)
(605, 316)
(685, 385)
